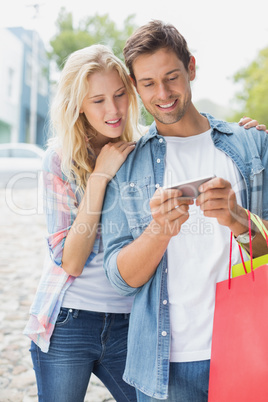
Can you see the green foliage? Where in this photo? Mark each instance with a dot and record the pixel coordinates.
(253, 97)
(90, 30)
(145, 117)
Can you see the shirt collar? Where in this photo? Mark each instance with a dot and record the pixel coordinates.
(219, 125)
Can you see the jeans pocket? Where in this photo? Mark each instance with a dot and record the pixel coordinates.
(63, 316)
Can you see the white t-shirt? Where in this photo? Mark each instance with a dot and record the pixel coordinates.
(92, 291)
(198, 256)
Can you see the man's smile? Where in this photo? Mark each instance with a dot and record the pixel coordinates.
(168, 105)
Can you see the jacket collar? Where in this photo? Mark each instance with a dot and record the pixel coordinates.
(219, 125)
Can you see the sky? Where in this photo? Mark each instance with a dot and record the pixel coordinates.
(224, 36)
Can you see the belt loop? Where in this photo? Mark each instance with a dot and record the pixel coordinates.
(75, 313)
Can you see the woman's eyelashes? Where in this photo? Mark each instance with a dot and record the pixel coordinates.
(121, 94)
(116, 96)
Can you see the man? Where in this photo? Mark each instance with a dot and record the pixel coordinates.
(167, 250)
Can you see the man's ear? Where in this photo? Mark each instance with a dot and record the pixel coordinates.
(192, 68)
(133, 81)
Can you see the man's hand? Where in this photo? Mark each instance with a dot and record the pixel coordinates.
(138, 260)
(218, 200)
(169, 212)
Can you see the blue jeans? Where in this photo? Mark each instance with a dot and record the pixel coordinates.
(83, 342)
(188, 382)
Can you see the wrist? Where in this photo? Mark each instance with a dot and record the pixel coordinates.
(99, 179)
(244, 238)
(155, 230)
(240, 229)
(239, 225)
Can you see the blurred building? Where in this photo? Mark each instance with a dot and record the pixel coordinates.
(24, 87)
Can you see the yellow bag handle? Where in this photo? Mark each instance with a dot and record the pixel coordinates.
(259, 224)
(245, 267)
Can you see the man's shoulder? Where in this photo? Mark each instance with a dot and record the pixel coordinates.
(141, 147)
(136, 156)
(223, 126)
(246, 142)
(237, 132)
(248, 136)
(138, 161)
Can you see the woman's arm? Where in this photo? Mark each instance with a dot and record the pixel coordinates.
(82, 234)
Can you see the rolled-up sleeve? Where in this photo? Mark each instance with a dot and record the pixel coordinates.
(116, 235)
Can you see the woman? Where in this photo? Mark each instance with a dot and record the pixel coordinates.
(78, 323)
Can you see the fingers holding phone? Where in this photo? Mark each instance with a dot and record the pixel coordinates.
(190, 188)
(169, 211)
(217, 199)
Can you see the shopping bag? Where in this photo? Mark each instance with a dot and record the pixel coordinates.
(239, 356)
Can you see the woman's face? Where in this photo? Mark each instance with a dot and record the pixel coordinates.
(106, 105)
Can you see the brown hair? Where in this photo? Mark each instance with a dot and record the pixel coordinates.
(154, 36)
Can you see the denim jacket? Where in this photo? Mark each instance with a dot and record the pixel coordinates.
(126, 214)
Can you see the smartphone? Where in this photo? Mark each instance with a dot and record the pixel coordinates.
(189, 188)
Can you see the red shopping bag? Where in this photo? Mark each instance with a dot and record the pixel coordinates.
(239, 356)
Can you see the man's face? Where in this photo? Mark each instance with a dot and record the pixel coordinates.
(163, 84)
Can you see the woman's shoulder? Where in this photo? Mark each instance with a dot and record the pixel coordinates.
(52, 160)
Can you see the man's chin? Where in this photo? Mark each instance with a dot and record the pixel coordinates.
(167, 119)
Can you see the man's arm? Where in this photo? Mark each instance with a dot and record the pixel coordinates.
(131, 262)
(138, 261)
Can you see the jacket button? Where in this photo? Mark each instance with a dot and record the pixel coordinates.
(164, 333)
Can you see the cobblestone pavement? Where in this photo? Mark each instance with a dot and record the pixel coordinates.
(22, 232)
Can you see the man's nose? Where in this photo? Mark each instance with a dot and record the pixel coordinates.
(163, 91)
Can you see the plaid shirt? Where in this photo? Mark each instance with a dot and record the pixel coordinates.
(61, 201)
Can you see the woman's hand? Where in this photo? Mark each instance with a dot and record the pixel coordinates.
(247, 122)
(111, 157)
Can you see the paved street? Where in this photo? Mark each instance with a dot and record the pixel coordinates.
(22, 244)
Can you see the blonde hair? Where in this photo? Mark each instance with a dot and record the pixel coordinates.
(70, 127)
